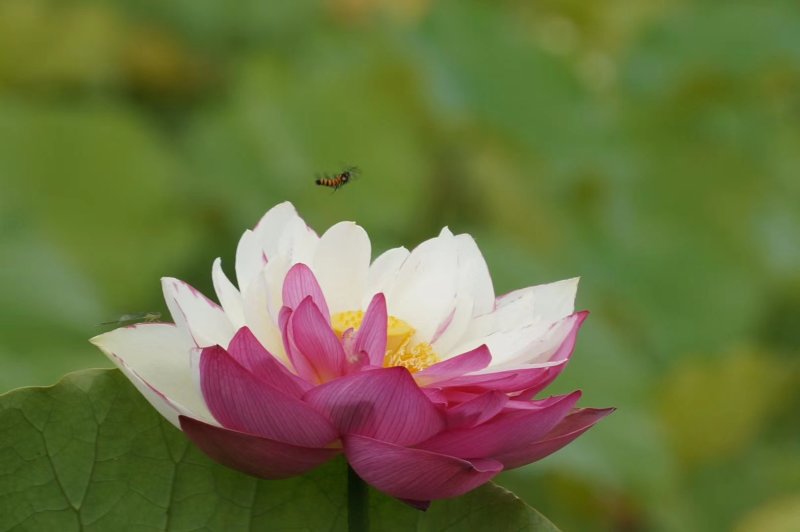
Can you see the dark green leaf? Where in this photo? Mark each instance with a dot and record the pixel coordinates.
(90, 454)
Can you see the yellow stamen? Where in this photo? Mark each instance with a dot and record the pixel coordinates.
(414, 359)
(399, 333)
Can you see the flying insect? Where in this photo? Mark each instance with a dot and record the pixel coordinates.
(138, 317)
(338, 180)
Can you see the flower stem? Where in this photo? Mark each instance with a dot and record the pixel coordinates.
(357, 503)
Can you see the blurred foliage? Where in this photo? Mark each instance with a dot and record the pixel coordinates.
(651, 147)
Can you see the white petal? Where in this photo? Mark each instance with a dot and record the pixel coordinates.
(274, 234)
(474, 275)
(229, 297)
(542, 304)
(383, 273)
(274, 274)
(534, 346)
(156, 359)
(257, 313)
(529, 343)
(424, 292)
(298, 243)
(272, 226)
(249, 259)
(508, 317)
(341, 263)
(196, 315)
(550, 302)
(492, 368)
(474, 295)
(456, 328)
(503, 344)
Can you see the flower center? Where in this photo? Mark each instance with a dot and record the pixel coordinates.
(399, 351)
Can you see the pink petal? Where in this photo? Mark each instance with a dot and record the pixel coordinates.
(564, 351)
(544, 379)
(315, 349)
(456, 366)
(356, 360)
(248, 351)
(476, 411)
(436, 396)
(539, 404)
(565, 432)
(371, 336)
(299, 284)
(301, 366)
(381, 403)
(503, 433)
(508, 381)
(251, 454)
(413, 473)
(240, 401)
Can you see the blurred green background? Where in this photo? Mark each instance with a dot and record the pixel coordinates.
(652, 148)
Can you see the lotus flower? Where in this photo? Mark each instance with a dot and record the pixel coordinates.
(409, 364)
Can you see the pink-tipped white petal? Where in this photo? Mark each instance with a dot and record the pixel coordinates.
(520, 318)
(204, 320)
(229, 297)
(341, 263)
(533, 343)
(155, 356)
(554, 345)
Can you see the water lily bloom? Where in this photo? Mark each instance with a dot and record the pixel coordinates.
(408, 365)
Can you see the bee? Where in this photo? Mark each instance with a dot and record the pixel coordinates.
(339, 180)
(128, 319)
